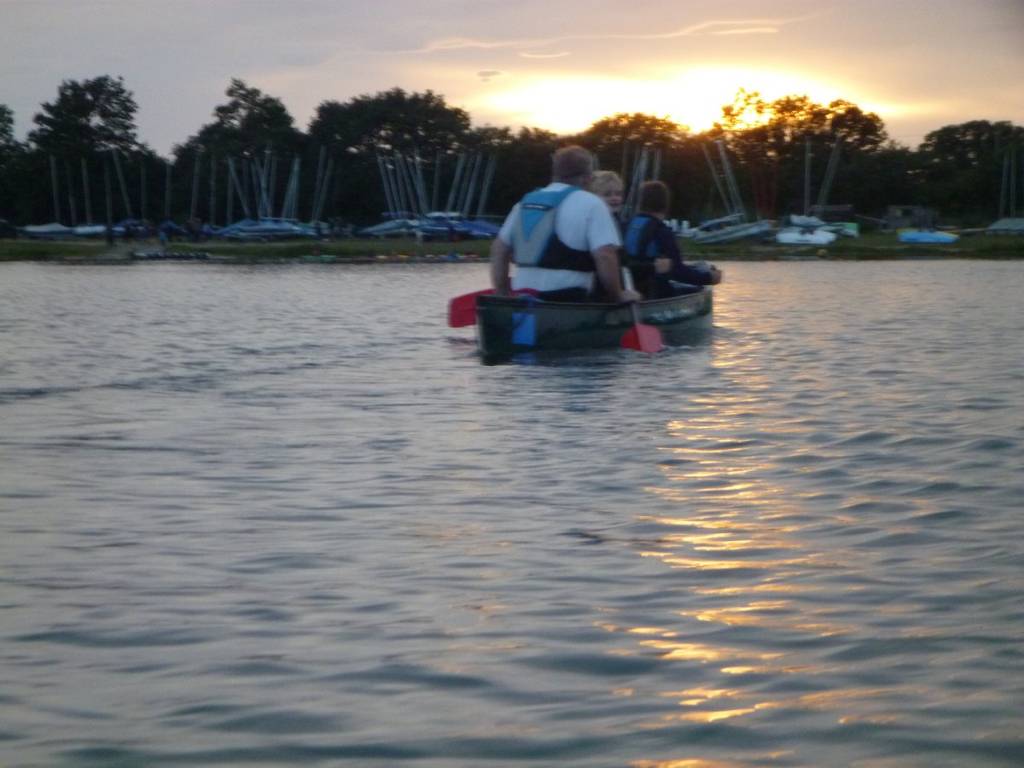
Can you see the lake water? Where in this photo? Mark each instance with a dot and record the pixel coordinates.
(282, 515)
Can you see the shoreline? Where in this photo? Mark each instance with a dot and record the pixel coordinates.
(870, 247)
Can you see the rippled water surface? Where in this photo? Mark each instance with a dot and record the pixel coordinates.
(284, 516)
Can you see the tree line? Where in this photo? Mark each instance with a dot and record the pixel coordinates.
(84, 159)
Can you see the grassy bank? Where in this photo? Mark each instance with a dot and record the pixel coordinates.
(351, 250)
(872, 246)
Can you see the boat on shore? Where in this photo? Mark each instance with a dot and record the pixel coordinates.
(804, 236)
(507, 326)
(927, 236)
(437, 225)
(728, 229)
(52, 231)
(266, 229)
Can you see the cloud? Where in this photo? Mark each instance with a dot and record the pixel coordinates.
(748, 31)
(743, 26)
(487, 74)
(529, 55)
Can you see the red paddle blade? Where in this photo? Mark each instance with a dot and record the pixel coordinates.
(643, 338)
(462, 309)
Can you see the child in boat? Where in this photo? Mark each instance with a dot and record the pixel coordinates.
(609, 187)
(652, 253)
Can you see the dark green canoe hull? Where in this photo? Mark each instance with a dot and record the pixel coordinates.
(511, 326)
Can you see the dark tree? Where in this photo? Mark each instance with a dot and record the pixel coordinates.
(11, 152)
(962, 167)
(608, 135)
(619, 141)
(523, 163)
(768, 141)
(8, 144)
(391, 120)
(251, 128)
(249, 122)
(357, 130)
(87, 117)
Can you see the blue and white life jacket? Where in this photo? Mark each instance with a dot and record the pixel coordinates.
(534, 242)
(639, 242)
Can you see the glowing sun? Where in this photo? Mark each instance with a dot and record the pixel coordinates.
(692, 97)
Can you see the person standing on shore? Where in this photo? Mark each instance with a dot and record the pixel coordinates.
(560, 237)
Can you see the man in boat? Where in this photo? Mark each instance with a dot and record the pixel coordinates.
(652, 253)
(560, 237)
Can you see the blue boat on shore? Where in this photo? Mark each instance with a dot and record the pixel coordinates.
(266, 229)
(926, 236)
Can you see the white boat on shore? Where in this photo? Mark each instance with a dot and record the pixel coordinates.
(51, 231)
(90, 230)
(728, 229)
(805, 236)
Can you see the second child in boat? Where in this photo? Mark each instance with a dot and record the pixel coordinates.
(608, 186)
(652, 253)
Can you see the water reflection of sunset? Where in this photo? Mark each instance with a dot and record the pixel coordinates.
(740, 537)
(670, 650)
(688, 763)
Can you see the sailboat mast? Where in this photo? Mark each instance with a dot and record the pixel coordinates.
(85, 191)
(108, 196)
(229, 200)
(807, 175)
(122, 185)
(239, 189)
(730, 181)
(1013, 180)
(142, 188)
(53, 183)
(195, 187)
(716, 179)
(212, 213)
(421, 187)
(437, 181)
(486, 186)
(71, 193)
(471, 186)
(271, 183)
(322, 156)
(460, 163)
(830, 174)
(325, 188)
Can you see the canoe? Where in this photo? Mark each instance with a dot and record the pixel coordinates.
(507, 326)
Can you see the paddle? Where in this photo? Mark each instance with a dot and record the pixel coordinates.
(462, 309)
(641, 337)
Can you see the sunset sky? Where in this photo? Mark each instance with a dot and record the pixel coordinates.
(556, 64)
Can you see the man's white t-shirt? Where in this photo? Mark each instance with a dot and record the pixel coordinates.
(582, 222)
